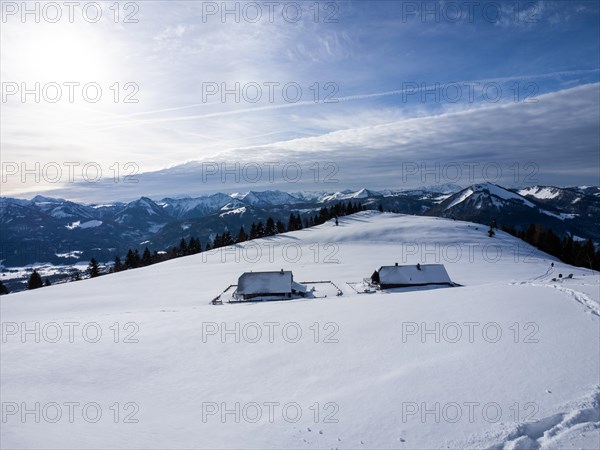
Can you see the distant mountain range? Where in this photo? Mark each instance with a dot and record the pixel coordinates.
(59, 231)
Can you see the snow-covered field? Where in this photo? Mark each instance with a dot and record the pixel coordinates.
(509, 360)
(15, 278)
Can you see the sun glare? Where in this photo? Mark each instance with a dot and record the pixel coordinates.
(62, 54)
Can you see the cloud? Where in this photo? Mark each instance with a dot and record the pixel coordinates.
(171, 33)
(552, 141)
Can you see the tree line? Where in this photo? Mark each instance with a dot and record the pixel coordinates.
(568, 250)
(258, 230)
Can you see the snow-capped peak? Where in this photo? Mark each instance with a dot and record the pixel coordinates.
(42, 199)
(349, 195)
(266, 198)
(497, 195)
(540, 192)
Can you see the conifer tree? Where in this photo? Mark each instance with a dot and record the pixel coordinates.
(531, 234)
(130, 260)
(336, 210)
(588, 254)
(194, 246)
(242, 236)
(146, 257)
(227, 239)
(323, 215)
(3, 289)
(280, 227)
(270, 229)
(292, 223)
(35, 281)
(568, 249)
(253, 231)
(183, 248)
(118, 265)
(260, 229)
(93, 268)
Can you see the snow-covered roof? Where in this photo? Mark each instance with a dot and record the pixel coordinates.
(265, 283)
(411, 275)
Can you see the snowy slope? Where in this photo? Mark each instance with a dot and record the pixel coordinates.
(478, 192)
(540, 192)
(187, 207)
(534, 385)
(348, 195)
(142, 210)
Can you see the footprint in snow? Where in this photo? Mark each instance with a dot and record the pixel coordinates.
(320, 431)
(548, 391)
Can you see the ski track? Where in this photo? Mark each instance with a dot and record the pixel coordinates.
(549, 272)
(592, 305)
(547, 433)
(580, 297)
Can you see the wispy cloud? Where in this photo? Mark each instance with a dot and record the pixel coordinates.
(528, 143)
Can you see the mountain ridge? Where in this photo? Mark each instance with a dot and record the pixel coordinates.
(53, 226)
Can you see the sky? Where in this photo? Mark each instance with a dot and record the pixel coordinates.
(111, 101)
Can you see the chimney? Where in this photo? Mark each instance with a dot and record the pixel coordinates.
(396, 264)
(281, 272)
